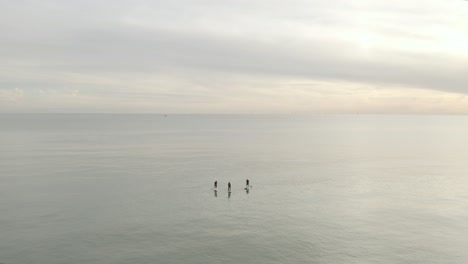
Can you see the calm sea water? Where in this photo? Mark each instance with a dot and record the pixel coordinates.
(325, 189)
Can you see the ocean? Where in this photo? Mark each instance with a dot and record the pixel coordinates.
(125, 188)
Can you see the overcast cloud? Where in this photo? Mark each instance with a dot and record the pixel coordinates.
(255, 56)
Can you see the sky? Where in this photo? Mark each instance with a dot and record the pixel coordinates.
(234, 57)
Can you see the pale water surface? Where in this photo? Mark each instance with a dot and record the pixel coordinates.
(326, 189)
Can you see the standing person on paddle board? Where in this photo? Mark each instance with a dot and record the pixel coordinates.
(247, 183)
(216, 185)
(229, 187)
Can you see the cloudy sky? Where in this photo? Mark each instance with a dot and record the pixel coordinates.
(240, 56)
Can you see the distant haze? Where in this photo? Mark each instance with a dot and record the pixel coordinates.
(255, 56)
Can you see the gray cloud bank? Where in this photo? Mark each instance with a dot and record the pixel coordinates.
(67, 45)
